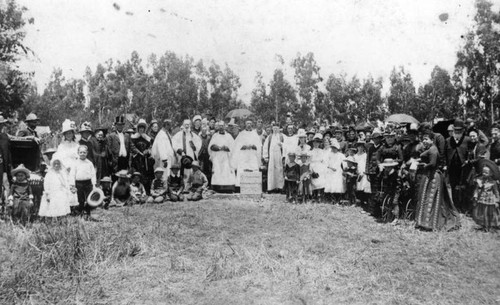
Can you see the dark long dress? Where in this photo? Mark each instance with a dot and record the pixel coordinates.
(435, 208)
(143, 162)
(101, 159)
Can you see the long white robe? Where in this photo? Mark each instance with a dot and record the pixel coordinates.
(335, 179)
(162, 149)
(362, 185)
(248, 159)
(67, 152)
(275, 177)
(290, 144)
(181, 142)
(318, 165)
(223, 172)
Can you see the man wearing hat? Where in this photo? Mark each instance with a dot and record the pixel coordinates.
(31, 123)
(390, 149)
(456, 150)
(5, 159)
(88, 140)
(197, 124)
(120, 146)
(163, 150)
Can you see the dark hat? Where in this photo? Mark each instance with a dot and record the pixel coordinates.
(120, 119)
(405, 138)
(458, 124)
(360, 143)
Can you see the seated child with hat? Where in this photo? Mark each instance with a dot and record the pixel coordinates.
(197, 183)
(138, 192)
(121, 193)
(20, 195)
(158, 187)
(105, 186)
(175, 184)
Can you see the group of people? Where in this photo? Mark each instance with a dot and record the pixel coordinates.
(382, 169)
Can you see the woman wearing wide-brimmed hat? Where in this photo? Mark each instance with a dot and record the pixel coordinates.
(142, 161)
(335, 185)
(67, 152)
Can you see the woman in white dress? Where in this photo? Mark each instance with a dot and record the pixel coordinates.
(67, 152)
(363, 187)
(335, 178)
(318, 168)
(55, 199)
(272, 154)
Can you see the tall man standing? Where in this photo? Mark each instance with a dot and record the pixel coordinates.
(187, 145)
(120, 146)
(163, 150)
(221, 149)
(247, 151)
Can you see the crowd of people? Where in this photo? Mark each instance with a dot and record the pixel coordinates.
(393, 171)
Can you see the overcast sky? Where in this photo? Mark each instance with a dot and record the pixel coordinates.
(352, 36)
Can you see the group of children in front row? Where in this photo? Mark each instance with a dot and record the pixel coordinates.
(67, 189)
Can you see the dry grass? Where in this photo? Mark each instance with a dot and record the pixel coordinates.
(228, 251)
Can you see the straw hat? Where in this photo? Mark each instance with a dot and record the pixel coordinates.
(142, 123)
(334, 143)
(95, 198)
(122, 174)
(350, 159)
(21, 169)
(159, 169)
(389, 162)
(196, 118)
(301, 133)
(318, 137)
(31, 117)
(68, 125)
(106, 179)
(3, 120)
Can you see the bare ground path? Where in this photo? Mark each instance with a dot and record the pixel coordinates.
(241, 251)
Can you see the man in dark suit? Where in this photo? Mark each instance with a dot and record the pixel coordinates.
(5, 159)
(120, 146)
(456, 150)
(31, 122)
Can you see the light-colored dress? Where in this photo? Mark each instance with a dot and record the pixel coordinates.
(246, 159)
(275, 177)
(362, 185)
(55, 200)
(223, 174)
(318, 165)
(67, 152)
(335, 179)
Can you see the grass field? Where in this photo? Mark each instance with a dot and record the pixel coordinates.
(242, 251)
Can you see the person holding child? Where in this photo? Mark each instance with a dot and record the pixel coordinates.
(55, 199)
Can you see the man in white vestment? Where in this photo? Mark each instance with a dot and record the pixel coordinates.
(220, 150)
(187, 145)
(290, 141)
(162, 150)
(247, 151)
(272, 153)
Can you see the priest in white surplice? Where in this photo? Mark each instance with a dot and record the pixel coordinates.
(187, 143)
(272, 154)
(162, 150)
(220, 150)
(247, 151)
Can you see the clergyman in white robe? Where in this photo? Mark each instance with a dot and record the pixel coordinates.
(220, 150)
(272, 153)
(187, 143)
(247, 152)
(162, 150)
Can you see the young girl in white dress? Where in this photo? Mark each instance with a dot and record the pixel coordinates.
(335, 184)
(363, 187)
(55, 199)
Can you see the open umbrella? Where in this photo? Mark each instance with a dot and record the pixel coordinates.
(239, 113)
(401, 118)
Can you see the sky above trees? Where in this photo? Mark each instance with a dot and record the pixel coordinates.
(352, 36)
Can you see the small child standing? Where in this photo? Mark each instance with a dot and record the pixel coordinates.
(138, 192)
(55, 199)
(158, 187)
(105, 186)
(83, 179)
(305, 178)
(486, 198)
(20, 195)
(292, 176)
(121, 193)
(197, 183)
(175, 184)
(351, 177)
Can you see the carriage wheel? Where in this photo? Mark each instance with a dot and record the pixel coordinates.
(409, 210)
(387, 215)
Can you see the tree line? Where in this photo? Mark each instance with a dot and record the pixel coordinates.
(174, 86)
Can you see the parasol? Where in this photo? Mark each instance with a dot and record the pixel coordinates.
(442, 127)
(401, 118)
(239, 113)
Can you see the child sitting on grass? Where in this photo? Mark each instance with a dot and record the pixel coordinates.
(158, 187)
(486, 198)
(138, 192)
(197, 183)
(20, 195)
(105, 186)
(292, 176)
(121, 191)
(175, 184)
